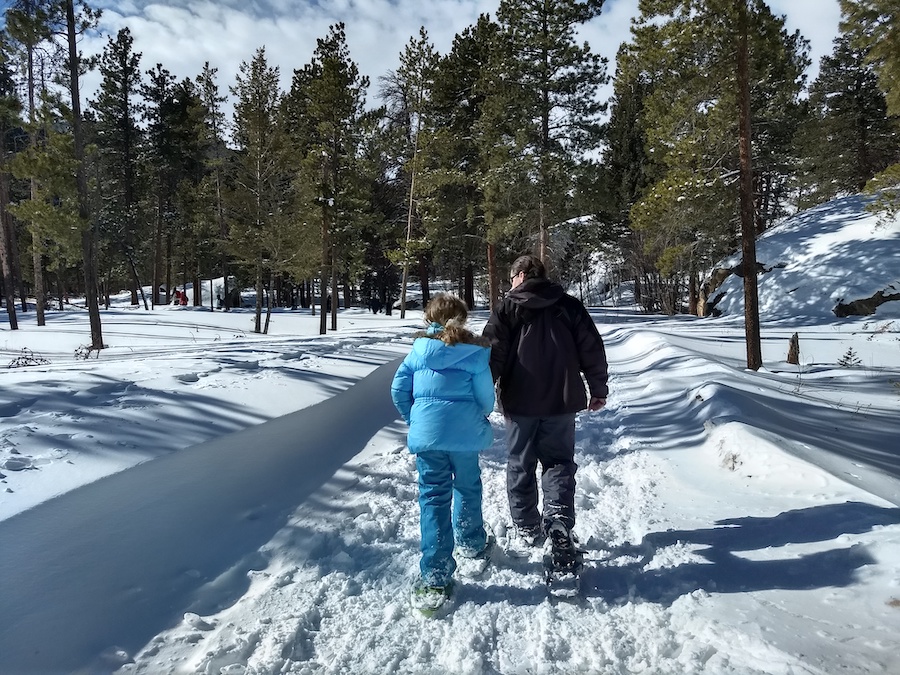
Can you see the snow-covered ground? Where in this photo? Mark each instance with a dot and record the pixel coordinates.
(735, 521)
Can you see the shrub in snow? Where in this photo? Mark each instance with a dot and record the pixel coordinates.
(28, 358)
(849, 359)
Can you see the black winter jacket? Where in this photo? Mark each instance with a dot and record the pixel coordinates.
(541, 341)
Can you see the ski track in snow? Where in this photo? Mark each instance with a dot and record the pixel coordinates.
(332, 587)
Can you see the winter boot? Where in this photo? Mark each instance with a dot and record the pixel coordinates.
(563, 564)
(429, 600)
(471, 563)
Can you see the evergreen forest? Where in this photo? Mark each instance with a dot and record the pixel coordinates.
(338, 191)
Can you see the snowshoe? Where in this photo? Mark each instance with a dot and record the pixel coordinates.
(521, 542)
(472, 564)
(429, 601)
(564, 562)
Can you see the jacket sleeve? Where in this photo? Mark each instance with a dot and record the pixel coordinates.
(591, 354)
(402, 389)
(483, 385)
(497, 331)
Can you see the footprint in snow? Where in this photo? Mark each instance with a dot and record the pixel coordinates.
(17, 463)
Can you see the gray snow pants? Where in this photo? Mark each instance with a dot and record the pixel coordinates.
(549, 441)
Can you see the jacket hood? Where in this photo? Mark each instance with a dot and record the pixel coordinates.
(536, 293)
(438, 356)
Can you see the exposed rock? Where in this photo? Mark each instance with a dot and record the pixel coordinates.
(864, 306)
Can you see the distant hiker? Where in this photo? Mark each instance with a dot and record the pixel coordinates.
(218, 301)
(542, 341)
(444, 391)
(184, 298)
(177, 297)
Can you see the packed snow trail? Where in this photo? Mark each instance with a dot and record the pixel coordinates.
(102, 569)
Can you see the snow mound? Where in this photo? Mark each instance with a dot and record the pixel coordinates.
(829, 256)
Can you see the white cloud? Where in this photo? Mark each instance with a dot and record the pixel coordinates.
(183, 35)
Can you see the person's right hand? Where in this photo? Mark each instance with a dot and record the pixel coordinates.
(596, 403)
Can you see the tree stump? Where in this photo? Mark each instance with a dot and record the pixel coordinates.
(793, 355)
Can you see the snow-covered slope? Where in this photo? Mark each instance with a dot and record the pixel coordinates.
(831, 254)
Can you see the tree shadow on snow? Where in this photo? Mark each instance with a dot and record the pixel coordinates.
(723, 570)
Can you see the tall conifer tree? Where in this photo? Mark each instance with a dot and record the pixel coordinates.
(332, 96)
(552, 89)
(849, 136)
(874, 25)
(10, 108)
(119, 138)
(258, 203)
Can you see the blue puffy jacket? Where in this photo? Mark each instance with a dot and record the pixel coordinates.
(445, 394)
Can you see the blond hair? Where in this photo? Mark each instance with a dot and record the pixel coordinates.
(450, 313)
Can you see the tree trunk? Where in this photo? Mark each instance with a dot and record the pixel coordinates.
(38, 264)
(13, 249)
(748, 230)
(423, 278)
(543, 238)
(493, 277)
(269, 302)
(157, 253)
(5, 245)
(37, 247)
(60, 288)
(168, 268)
(136, 280)
(348, 292)
(257, 325)
(334, 292)
(693, 294)
(469, 274)
(323, 289)
(88, 243)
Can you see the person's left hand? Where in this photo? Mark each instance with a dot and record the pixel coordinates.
(596, 403)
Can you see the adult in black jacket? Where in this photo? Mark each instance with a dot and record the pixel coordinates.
(542, 340)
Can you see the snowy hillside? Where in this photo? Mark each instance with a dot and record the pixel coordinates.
(833, 254)
(201, 499)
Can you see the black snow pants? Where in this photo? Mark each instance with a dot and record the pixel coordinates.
(550, 442)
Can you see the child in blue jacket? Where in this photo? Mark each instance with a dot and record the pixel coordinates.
(445, 392)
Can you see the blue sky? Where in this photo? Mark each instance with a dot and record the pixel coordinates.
(183, 34)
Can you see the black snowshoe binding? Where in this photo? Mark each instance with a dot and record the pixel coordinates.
(564, 562)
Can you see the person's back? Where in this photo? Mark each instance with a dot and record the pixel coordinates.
(542, 341)
(445, 392)
(443, 404)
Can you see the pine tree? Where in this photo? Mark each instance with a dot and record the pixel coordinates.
(52, 210)
(174, 156)
(262, 229)
(215, 152)
(10, 108)
(849, 136)
(554, 90)
(690, 216)
(874, 25)
(159, 156)
(119, 141)
(31, 23)
(333, 94)
(75, 24)
(628, 170)
(411, 95)
(453, 167)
